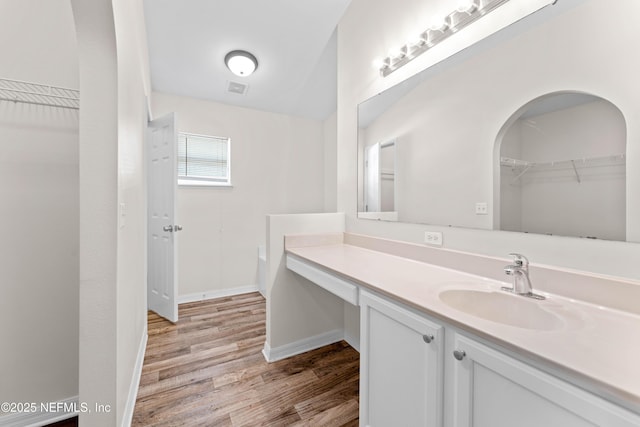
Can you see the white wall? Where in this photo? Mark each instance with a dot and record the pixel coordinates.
(39, 191)
(277, 166)
(330, 166)
(483, 113)
(38, 42)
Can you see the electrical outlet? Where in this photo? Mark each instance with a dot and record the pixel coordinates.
(481, 208)
(433, 238)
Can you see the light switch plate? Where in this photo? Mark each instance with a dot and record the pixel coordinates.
(433, 238)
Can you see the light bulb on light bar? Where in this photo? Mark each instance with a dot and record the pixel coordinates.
(441, 28)
(396, 55)
(467, 6)
(439, 23)
(378, 63)
(416, 41)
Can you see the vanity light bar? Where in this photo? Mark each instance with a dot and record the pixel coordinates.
(466, 13)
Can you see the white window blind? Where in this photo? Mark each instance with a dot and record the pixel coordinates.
(203, 160)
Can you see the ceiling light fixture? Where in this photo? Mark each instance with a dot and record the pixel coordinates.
(466, 12)
(240, 62)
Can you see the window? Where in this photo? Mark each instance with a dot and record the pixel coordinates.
(203, 160)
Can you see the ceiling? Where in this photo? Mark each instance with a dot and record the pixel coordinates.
(293, 40)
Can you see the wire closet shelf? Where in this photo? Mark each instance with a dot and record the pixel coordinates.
(39, 94)
(523, 166)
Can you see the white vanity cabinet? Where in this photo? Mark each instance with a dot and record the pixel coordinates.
(494, 390)
(416, 372)
(401, 365)
(421, 370)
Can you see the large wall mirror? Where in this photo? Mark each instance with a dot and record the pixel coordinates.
(532, 131)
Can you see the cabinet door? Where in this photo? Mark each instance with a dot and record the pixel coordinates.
(492, 389)
(401, 368)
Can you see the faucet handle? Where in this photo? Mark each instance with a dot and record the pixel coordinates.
(520, 260)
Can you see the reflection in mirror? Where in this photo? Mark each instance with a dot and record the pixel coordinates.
(380, 182)
(523, 131)
(562, 168)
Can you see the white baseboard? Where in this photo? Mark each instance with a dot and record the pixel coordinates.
(301, 346)
(135, 381)
(68, 408)
(216, 293)
(352, 341)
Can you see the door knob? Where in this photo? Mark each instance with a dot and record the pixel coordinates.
(177, 228)
(168, 228)
(427, 338)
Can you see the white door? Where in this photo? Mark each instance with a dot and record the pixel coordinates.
(372, 178)
(401, 366)
(162, 139)
(493, 389)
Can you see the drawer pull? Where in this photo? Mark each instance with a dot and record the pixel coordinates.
(427, 338)
(459, 354)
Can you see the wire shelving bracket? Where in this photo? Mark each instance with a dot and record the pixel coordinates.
(39, 94)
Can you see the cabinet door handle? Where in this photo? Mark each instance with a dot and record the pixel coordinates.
(427, 338)
(459, 354)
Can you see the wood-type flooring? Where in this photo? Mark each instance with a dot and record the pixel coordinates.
(208, 370)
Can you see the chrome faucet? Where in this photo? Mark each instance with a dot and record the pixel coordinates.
(521, 281)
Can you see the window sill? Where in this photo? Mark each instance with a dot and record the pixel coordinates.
(192, 183)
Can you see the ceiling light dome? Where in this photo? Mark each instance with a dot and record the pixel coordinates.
(241, 63)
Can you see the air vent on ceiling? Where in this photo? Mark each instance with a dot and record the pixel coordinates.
(239, 88)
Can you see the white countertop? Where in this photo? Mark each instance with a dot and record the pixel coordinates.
(598, 347)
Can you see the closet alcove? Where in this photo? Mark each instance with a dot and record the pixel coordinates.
(563, 168)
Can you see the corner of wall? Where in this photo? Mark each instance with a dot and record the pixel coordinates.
(352, 325)
(135, 381)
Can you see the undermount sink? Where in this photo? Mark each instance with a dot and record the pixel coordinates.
(502, 307)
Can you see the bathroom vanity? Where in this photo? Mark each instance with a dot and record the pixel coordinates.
(443, 346)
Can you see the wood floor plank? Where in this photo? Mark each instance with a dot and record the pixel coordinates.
(255, 360)
(337, 415)
(218, 355)
(208, 370)
(344, 392)
(173, 338)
